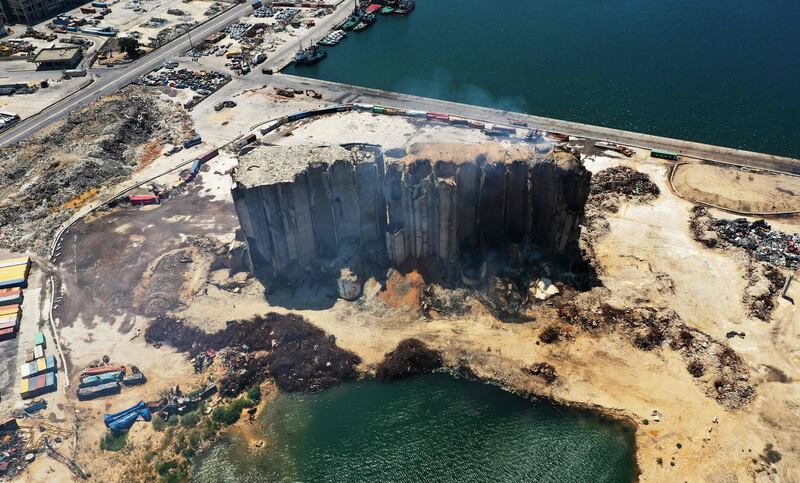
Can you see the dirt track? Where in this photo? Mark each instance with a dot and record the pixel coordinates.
(737, 190)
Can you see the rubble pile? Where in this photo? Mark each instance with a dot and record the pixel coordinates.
(214, 9)
(93, 147)
(718, 368)
(609, 188)
(299, 356)
(756, 237)
(411, 357)
(12, 449)
(765, 249)
(764, 283)
(440, 301)
(162, 291)
(169, 34)
(544, 370)
(22, 47)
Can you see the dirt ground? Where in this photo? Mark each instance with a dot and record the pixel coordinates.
(744, 191)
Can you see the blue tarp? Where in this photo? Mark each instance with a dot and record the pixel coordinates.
(125, 419)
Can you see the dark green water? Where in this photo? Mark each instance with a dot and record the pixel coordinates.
(432, 428)
(720, 72)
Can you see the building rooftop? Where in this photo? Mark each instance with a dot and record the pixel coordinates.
(266, 165)
(56, 54)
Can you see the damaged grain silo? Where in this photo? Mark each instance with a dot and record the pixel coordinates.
(309, 210)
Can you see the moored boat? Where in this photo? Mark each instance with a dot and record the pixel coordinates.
(386, 10)
(405, 7)
(315, 56)
(365, 22)
(351, 21)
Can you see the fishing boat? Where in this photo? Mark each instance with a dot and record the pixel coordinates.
(405, 7)
(373, 8)
(301, 56)
(386, 10)
(365, 22)
(315, 55)
(351, 21)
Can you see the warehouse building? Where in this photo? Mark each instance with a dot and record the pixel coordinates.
(59, 58)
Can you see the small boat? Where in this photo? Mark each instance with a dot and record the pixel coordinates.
(405, 7)
(301, 56)
(315, 56)
(351, 21)
(386, 10)
(373, 8)
(365, 22)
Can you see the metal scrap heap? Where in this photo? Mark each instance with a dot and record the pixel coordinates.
(767, 245)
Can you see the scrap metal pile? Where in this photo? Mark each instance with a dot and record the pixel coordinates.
(758, 237)
(204, 83)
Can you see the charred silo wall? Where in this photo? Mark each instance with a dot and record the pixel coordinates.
(304, 208)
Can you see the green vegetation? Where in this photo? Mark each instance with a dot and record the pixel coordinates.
(158, 423)
(114, 442)
(254, 394)
(231, 412)
(190, 420)
(173, 420)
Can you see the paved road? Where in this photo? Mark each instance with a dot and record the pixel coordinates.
(114, 79)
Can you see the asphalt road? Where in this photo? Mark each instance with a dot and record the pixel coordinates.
(113, 79)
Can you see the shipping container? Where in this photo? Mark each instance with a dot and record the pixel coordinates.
(37, 385)
(99, 379)
(192, 142)
(99, 4)
(195, 167)
(107, 389)
(39, 339)
(458, 121)
(93, 371)
(144, 200)
(209, 155)
(378, 109)
(38, 352)
(13, 262)
(11, 296)
(477, 124)
(416, 113)
(660, 153)
(134, 379)
(39, 366)
(9, 310)
(362, 107)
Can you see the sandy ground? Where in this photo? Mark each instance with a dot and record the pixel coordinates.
(26, 105)
(648, 257)
(744, 191)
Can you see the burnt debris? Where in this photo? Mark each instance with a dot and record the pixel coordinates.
(411, 357)
(298, 356)
(718, 368)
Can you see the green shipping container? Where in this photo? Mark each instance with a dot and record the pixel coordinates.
(378, 109)
(658, 153)
(40, 340)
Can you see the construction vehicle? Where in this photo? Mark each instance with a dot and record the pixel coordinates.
(313, 93)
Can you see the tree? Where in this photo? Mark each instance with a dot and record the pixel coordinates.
(128, 45)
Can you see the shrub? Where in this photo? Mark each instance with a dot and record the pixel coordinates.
(173, 420)
(190, 420)
(194, 439)
(158, 423)
(645, 421)
(114, 442)
(254, 394)
(164, 467)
